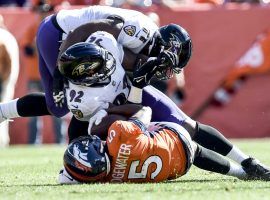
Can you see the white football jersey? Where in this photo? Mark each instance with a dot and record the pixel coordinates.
(84, 101)
(136, 32)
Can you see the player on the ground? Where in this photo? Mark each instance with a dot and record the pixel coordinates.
(135, 151)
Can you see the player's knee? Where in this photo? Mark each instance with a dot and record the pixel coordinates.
(190, 125)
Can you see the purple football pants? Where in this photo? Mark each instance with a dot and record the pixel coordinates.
(49, 38)
(163, 108)
(48, 42)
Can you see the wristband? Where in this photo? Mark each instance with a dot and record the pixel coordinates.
(135, 95)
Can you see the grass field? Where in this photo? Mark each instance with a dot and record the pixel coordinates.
(30, 172)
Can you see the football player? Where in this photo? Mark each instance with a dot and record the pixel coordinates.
(135, 151)
(171, 37)
(95, 75)
(132, 29)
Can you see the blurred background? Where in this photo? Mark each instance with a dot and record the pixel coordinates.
(226, 82)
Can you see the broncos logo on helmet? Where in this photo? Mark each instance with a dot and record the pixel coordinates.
(86, 160)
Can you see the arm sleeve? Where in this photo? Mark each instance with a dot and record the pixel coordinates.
(136, 32)
(108, 42)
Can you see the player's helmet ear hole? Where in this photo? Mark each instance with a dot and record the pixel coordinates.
(86, 63)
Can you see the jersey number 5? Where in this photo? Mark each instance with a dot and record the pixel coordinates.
(152, 159)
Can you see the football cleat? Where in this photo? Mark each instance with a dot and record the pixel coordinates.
(65, 178)
(255, 170)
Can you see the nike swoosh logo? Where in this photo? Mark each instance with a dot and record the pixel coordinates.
(71, 179)
(139, 79)
(75, 106)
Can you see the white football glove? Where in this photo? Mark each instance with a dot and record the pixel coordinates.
(65, 178)
(96, 119)
(59, 98)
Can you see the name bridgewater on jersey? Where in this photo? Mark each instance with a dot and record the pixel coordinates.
(121, 165)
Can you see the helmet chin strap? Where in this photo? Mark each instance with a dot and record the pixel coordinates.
(162, 49)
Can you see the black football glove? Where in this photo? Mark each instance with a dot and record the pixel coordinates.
(58, 89)
(142, 76)
(168, 59)
(167, 65)
(144, 73)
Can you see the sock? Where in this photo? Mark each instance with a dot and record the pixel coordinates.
(236, 171)
(211, 161)
(32, 105)
(237, 155)
(211, 138)
(9, 110)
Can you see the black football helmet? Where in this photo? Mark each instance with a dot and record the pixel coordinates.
(86, 160)
(86, 63)
(174, 38)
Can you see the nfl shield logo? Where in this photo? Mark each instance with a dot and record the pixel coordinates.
(130, 30)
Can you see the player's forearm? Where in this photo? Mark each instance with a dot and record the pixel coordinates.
(131, 60)
(127, 109)
(81, 33)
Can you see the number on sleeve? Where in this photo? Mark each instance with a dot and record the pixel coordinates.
(143, 35)
(111, 136)
(95, 40)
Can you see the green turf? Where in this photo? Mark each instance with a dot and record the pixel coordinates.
(31, 173)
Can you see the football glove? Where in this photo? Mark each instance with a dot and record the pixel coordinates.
(59, 98)
(58, 86)
(167, 59)
(143, 74)
(65, 178)
(96, 119)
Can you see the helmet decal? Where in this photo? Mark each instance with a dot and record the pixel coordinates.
(86, 159)
(82, 167)
(77, 113)
(130, 30)
(80, 156)
(87, 68)
(175, 44)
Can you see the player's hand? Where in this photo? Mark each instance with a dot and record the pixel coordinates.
(144, 73)
(167, 59)
(58, 86)
(96, 119)
(59, 98)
